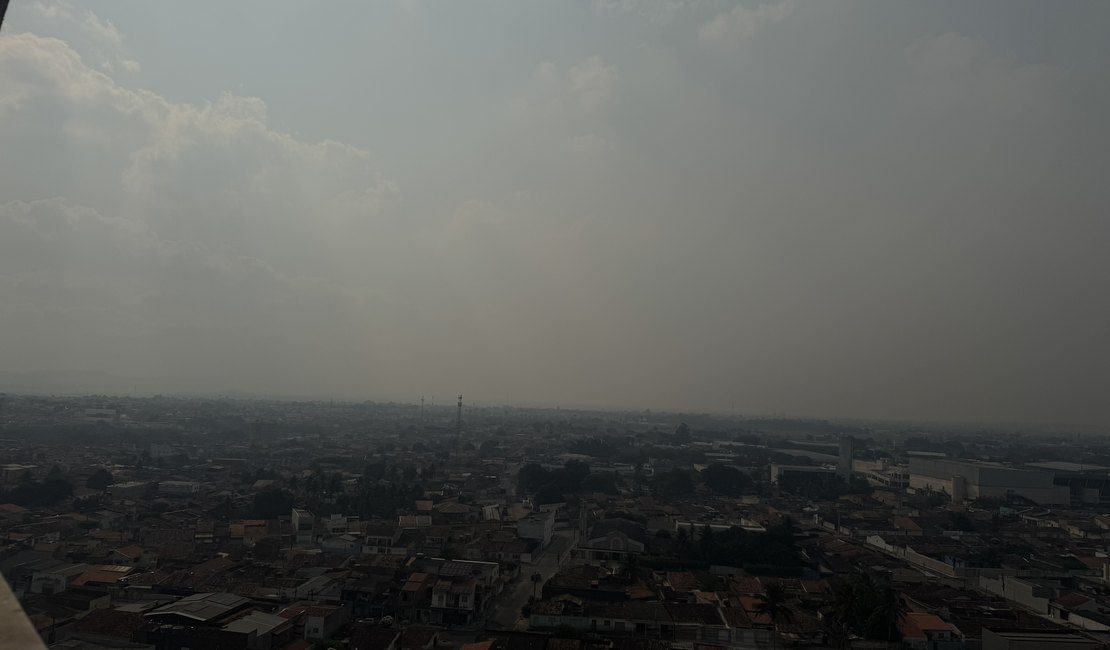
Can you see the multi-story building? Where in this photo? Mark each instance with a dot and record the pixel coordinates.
(304, 523)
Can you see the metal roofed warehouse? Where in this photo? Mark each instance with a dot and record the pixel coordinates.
(205, 608)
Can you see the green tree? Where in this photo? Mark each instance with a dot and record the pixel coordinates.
(867, 608)
(531, 477)
(604, 482)
(886, 612)
(682, 434)
(707, 539)
(725, 479)
(960, 521)
(550, 493)
(374, 471)
(675, 483)
(30, 493)
(272, 503)
(842, 618)
(100, 480)
(575, 470)
(772, 604)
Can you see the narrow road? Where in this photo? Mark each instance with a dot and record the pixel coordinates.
(506, 614)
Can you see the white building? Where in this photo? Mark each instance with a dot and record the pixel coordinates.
(303, 525)
(538, 526)
(961, 479)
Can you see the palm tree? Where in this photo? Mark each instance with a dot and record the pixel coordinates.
(772, 604)
(837, 634)
(852, 598)
(841, 618)
(888, 611)
(706, 542)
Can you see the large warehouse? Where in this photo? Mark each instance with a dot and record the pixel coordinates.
(964, 479)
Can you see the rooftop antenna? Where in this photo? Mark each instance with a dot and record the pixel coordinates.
(458, 419)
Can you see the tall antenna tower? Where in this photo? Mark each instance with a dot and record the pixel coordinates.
(458, 419)
(421, 414)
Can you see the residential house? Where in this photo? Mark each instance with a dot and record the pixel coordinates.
(924, 631)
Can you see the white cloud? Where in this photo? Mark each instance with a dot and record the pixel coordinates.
(562, 114)
(102, 30)
(262, 188)
(949, 71)
(729, 29)
(585, 90)
(98, 39)
(190, 222)
(196, 245)
(658, 11)
(589, 145)
(591, 84)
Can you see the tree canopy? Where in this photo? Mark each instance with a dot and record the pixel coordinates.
(772, 548)
(272, 503)
(100, 480)
(864, 607)
(725, 479)
(675, 483)
(550, 486)
(31, 493)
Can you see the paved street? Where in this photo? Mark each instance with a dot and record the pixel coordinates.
(506, 614)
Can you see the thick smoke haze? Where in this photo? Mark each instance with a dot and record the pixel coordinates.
(868, 209)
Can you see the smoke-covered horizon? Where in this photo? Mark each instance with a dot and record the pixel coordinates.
(837, 209)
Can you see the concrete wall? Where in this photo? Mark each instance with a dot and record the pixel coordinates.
(930, 564)
(18, 634)
(1019, 591)
(1036, 640)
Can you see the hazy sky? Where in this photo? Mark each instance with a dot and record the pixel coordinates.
(875, 209)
